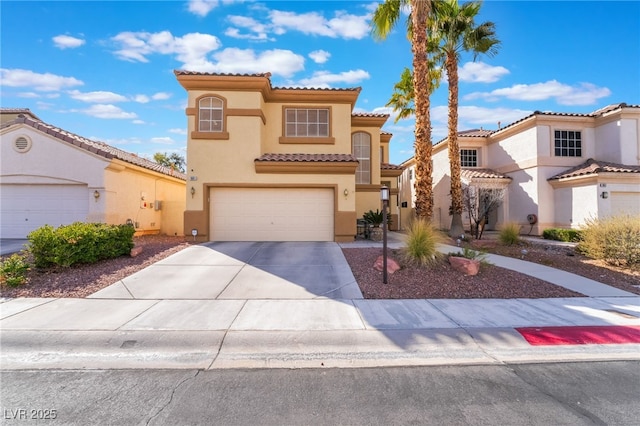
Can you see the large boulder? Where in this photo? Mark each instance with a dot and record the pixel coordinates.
(464, 265)
(392, 265)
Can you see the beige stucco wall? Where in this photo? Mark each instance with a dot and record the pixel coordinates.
(130, 192)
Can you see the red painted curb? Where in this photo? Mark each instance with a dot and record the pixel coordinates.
(581, 335)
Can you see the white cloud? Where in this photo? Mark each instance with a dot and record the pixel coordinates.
(202, 7)
(97, 97)
(479, 72)
(138, 122)
(141, 99)
(67, 42)
(160, 96)
(46, 82)
(582, 94)
(258, 30)
(343, 25)
(163, 140)
(474, 116)
(189, 49)
(325, 79)
(28, 95)
(107, 111)
(233, 60)
(320, 56)
(178, 131)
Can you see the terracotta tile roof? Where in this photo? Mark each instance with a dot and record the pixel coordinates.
(469, 173)
(4, 110)
(369, 114)
(389, 166)
(302, 158)
(475, 133)
(185, 72)
(320, 89)
(99, 148)
(592, 166)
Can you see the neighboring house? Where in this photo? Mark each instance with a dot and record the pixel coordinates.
(559, 169)
(280, 164)
(51, 176)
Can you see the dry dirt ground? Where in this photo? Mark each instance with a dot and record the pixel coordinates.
(440, 281)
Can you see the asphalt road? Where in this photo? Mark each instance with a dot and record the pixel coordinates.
(537, 394)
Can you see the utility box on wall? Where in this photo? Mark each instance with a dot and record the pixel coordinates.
(157, 205)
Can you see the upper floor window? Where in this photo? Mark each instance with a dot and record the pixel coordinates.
(568, 143)
(307, 122)
(469, 158)
(361, 148)
(210, 115)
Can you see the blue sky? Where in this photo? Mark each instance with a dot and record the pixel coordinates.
(104, 70)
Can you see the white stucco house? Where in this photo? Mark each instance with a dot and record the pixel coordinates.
(51, 176)
(558, 168)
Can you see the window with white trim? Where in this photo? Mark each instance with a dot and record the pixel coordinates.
(567, 143)
(361, 148)
(210, 114)
(306, 122)
(469, 158)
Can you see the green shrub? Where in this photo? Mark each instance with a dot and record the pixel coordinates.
(469, 254)
(13, 270)
(509, 234)
(422, 242)
(559, 234)
(616, 240)
(376, 218)
(79, 243)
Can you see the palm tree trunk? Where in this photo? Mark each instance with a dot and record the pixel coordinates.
(456, 228)
(420, 10)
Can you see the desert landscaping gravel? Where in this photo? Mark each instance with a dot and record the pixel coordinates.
(408, 283)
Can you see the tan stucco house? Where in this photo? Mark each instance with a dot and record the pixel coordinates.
(51, 176)
(280, 164)
(558, 168)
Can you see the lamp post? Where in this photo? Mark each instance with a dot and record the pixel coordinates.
(384, 195)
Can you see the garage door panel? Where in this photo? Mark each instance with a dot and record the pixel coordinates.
(25, 208)
(625, 203)
(272, 214)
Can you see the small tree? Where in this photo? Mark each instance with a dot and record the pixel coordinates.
(173, 161)
(479, 202)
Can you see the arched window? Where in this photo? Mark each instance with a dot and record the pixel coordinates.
(211, 114)
(361, 149)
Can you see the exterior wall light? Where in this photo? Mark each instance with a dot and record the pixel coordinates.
(604, 195)
(96, 195)
(193, 191)
(346, 192)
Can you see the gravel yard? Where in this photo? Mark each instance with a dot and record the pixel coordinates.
(408, 283)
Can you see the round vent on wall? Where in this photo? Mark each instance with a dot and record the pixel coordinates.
(22, 144)
(532, 219)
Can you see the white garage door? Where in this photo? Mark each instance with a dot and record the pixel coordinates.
(625, 202)
(24, 208)
(271, 214)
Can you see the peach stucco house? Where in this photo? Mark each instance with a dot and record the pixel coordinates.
(280, 164)
(558, 168)
(51, 176)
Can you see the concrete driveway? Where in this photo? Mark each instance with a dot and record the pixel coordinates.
(243, 270)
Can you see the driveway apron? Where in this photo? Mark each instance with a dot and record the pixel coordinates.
(243, 270)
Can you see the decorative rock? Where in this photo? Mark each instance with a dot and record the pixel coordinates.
(464, 265)
(392, 265)
(135, 251)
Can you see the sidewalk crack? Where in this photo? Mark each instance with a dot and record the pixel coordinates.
(173, 391)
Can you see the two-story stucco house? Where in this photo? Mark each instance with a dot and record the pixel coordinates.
(559, 169)
(49, 176)
(280, 164)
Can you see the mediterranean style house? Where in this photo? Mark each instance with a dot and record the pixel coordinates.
(558, 169)
(280, 164)
(51, 176)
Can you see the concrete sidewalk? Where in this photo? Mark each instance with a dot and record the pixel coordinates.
(304, 330)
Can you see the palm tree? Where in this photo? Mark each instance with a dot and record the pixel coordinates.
(384, 20)
(453, 30)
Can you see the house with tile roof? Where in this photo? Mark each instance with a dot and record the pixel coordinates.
(271, 163)
(558, 169)
(51, 176)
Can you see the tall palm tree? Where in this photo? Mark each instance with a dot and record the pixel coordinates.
(384, 20)
(453, 29)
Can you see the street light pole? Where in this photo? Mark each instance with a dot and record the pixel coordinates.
(384, 194)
